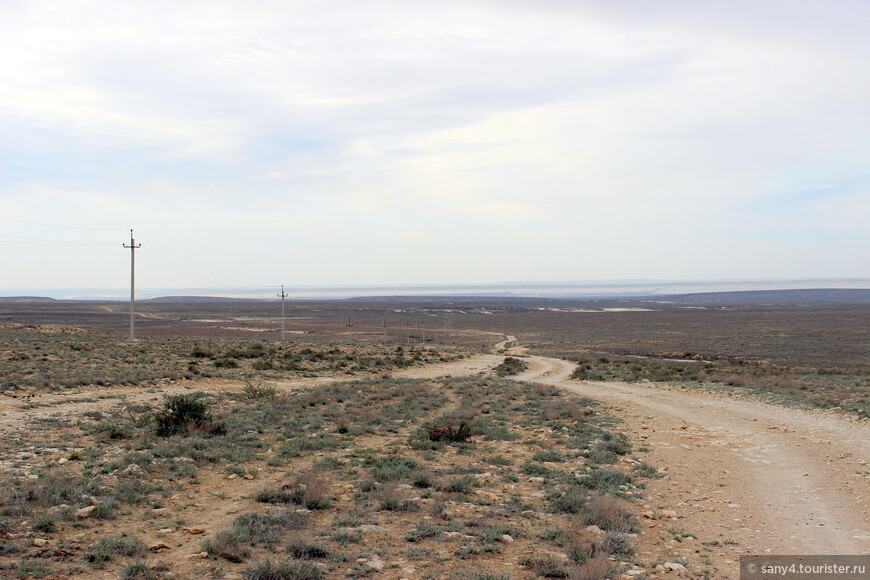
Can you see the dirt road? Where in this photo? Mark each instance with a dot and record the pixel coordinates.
(772, 479)
(743, 477)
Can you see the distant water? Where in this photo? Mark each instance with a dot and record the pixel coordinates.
(518, 290)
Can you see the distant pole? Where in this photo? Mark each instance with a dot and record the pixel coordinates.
(132, 247)
(283, 296)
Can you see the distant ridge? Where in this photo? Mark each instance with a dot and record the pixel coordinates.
(200, 299)
(25, 299)
(807, 296)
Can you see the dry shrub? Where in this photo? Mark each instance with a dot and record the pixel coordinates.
(597, 568)
(450, 430)
(566, 409)
(581, 544)
(736, 381)
(394, 499)
(308, 490)
(608, 513)
(545, 390)
(312, 491)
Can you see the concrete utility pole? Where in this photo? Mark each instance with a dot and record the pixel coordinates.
(132, 247)
(282, 295)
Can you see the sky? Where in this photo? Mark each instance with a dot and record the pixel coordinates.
(417, 142)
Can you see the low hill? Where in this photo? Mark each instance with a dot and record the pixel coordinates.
(814, 296)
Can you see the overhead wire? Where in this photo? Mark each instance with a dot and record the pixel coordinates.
(171, 269)
(63, 226)
(189, 262)
(193, 276)
(43, 242)
(153, 252)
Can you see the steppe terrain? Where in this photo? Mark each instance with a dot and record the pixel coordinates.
(460, 448)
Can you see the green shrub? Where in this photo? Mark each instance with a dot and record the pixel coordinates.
(464, 484)
(546, 567)
(44, 524)
(182, 414)
(422, 531)
(108, 548)
(617, 544)
(571, 501)
(549, 456)
(606, 480)
(251, 529)
(535, 469)
(511, 366)
(390, 467)
(421, 479)
(302, 549)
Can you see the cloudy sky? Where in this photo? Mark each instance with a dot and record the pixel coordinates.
(397, 142)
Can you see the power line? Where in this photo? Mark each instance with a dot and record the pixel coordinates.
(194, 264)
(65, 227)
(53, 245)
(187, 272)
(170, 268)
(42, 241)
(172, 262)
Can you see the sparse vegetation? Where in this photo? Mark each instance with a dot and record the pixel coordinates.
(69, 359)
(288, 570)
(109, 548)
(309, 479)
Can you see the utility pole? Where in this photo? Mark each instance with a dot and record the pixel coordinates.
(132, 247)
(283, 296)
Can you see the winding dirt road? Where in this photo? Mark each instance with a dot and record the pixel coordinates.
(772, 479)
(743, 476)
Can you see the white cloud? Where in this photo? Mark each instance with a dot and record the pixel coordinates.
(417, 141)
